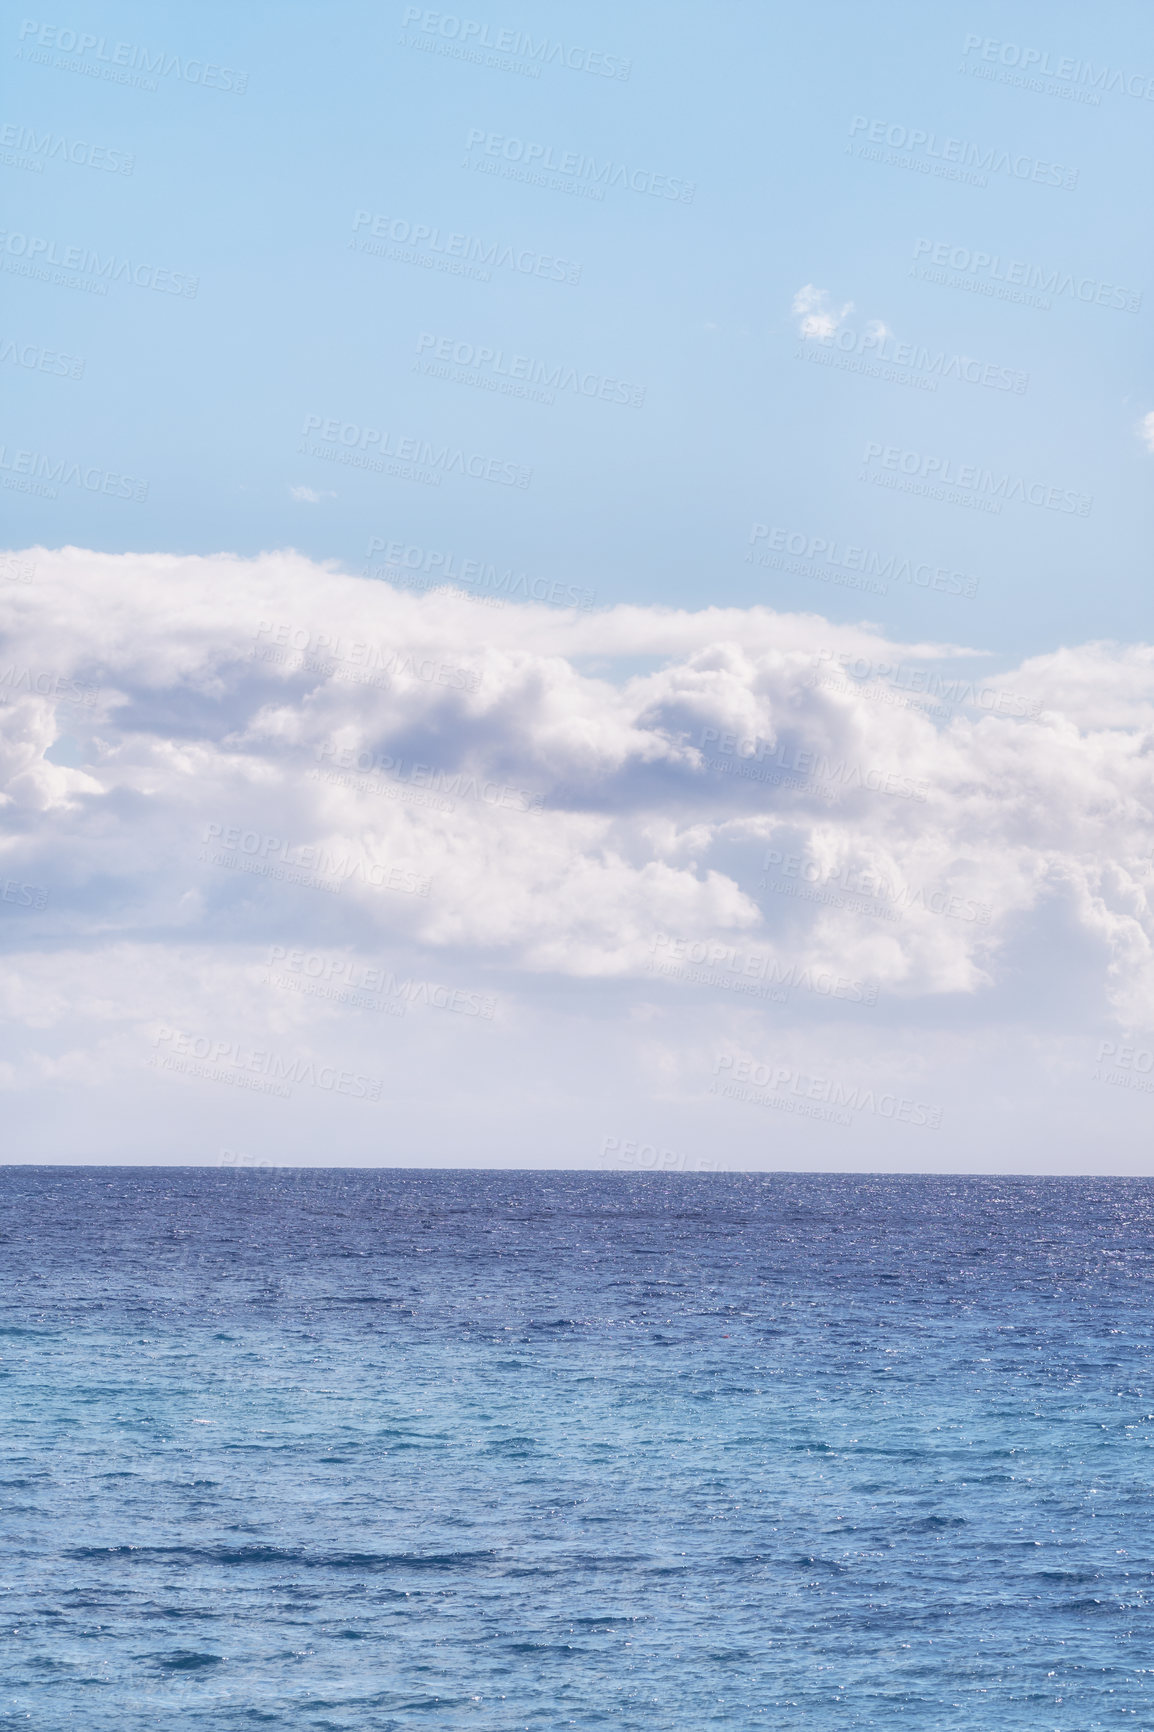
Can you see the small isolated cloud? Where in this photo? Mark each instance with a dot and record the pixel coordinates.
(309, 495)
(1146, 431)
(817, 318)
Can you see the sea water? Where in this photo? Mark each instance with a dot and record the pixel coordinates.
(385, 1449)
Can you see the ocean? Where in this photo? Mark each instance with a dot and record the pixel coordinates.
(353, 1450)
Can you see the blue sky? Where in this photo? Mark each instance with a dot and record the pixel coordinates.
(773, 384)
(255, 194)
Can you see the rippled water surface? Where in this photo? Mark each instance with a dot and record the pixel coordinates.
(379, 1449)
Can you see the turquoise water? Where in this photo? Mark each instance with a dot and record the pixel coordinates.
(384, 1449)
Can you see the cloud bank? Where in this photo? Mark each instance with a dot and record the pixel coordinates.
(304, 866)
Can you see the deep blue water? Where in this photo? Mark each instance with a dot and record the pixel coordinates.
(394, 1449)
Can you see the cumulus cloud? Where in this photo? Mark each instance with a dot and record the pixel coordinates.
(310, 496)
(786, 836)
(1146, 430)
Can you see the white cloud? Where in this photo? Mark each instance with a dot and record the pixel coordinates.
(310, 496)
(820, 322)
(1146, 430)
(775, 794)
(816, 317)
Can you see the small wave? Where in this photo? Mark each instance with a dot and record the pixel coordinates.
(610, 1620)
(242, 1555)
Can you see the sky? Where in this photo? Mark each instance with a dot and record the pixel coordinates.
(577, 587)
